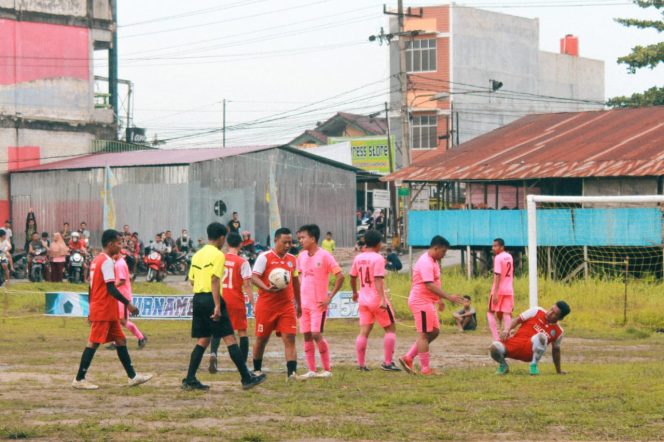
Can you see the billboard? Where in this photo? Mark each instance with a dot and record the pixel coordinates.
(369, 153)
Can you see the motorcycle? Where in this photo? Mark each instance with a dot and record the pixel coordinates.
(20, 266)
(178, 264)
(75, 271)
(39, 262)
(156, 266)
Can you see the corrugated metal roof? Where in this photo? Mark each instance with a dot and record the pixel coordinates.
(623, 142)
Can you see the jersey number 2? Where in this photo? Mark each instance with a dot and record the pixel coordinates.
(509, 270)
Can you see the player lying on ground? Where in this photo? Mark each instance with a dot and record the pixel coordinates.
(537, 329)
(501, 301)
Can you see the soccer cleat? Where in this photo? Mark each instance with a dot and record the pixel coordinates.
(363, 368)
(139, 379)
(324, 374)
(307, 375)
(534, 371)
(407, 364)
(213, 364)
(503, 368)
(194, 385)
(142, 342)
(293, 377)
(253, 381)
(389, 367)
(83, 384)
(428, 372)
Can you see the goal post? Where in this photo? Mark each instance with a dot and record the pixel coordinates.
(615, 201)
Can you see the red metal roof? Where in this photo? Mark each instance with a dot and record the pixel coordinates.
(622, 142)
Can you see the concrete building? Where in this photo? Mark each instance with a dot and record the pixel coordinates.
(341, 124)
(47, 85)
(458, 50)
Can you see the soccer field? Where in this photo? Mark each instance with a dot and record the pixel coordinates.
(614, 388)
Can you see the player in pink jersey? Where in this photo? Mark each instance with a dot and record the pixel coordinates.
(369, 268)
(537, 329)
(425, 295)
(123, 283)
(315, 265)
(501, 301)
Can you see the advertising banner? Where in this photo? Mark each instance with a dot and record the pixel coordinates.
(369, 153)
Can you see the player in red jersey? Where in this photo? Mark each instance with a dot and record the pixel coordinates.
(277, 310)
(537, 329)
(236, 292)
(104, 319)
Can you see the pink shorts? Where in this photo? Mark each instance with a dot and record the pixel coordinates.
(312, 320)
(426, 317)
(505, 304)
(370, 314)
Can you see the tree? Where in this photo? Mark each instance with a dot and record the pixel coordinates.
(649, 56)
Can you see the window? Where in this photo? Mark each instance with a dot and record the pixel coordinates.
(424, 132)
(421, 55)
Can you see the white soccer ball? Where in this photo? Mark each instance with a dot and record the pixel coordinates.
(279, 278)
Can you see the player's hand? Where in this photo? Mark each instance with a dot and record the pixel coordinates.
(494, 299)
(355, 296)
(441, 306)
(383, 305)
(132, 309)
(273, 289)
(504, 335)
(456, 299)
(217, 313)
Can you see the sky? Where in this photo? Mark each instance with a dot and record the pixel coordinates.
(284, 65)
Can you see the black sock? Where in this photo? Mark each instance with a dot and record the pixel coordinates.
(258, 364)
(195, 362)
(244, 347)
(291, 367)
(214, 345)
(86, 360)
(236, 356)
(123, 354)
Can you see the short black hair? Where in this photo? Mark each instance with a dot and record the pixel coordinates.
(500, 241)
(109, 236)
(466, 297)
(564, 309)
(2, 232)
(439, 241)
(234, 239)
(312, 230)
(282, 231)
(329, 233)
(216, 230)
(44, 234)
(235, 213)
(372, 238)
(65, 223)
(83, 222)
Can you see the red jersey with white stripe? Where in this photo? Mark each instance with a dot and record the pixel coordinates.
(265, 263)
(103, 307)
(534, 321)
(236, 271)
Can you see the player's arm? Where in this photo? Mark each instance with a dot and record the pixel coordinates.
(379, 283)
(339, 279)
(216, 296)
(353, 286)
(433, 288)
(296, 292)
(555, 353)
(259, 269)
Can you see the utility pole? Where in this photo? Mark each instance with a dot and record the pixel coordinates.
(393, 193)
(223, 127)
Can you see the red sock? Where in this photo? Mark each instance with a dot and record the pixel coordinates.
(324, 352)
(310, 355)
(424, 360)
(361, 348)
(389, 342)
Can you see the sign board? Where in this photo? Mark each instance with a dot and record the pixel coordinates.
(381, 199)
(369, 153)
(404, 191)
(421, 201)
(136, 135)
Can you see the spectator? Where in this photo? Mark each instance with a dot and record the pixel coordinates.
(9, 233)
(5, 256)
(125, 230)
(466, 318)
(85, 233)
(379, 221)
(139, 250)
(201, 243)
(46, 242)
(30, 229)
(66, 232)
(247, 243)
(393, 263)
(359, 246)
(34, 244)
(328, 243)
(58, 253)
(184, 243)
(234, 224)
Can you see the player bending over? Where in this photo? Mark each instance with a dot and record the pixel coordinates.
(537, 329)
(369, 268)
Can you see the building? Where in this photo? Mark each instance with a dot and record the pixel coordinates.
(189, 188)
(47, 83)
(453, 53)
(341, 125)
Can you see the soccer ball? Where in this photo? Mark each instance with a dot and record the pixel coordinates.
(279, 278)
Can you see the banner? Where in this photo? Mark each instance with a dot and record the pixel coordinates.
(172, 307)
(369, 153)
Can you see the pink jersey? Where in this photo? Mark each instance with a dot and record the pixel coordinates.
(425, 270)
(122, 273)
(503, 265)
(315, 276)
(367, 266)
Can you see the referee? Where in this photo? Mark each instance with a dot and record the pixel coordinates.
(210, 317)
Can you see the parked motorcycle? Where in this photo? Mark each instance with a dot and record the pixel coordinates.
(178, 265)
(156, 267)
(39, 262)
(75, 270)
(20, 266)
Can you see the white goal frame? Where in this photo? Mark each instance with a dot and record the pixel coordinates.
(532, 201)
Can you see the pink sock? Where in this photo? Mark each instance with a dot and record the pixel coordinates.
(389, 342)
(310, 354)
(491, 320)
(412, 352)
(507, 322)
(361, 347)
(424, 360)
(324, 351)
(134, 330)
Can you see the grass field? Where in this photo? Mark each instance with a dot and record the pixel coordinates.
(614, 389)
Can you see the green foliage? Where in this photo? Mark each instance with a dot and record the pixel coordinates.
(652, 97)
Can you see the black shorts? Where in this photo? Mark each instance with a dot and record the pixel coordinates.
(202, 326)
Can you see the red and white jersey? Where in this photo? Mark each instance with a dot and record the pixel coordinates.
(236, 271)
(265, 263)
(534, 321)
(503, 265)
(103, 307)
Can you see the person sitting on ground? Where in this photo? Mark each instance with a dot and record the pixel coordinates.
(466, 318)
(392, 261)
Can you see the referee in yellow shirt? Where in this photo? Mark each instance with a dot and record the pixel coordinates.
(210, 317)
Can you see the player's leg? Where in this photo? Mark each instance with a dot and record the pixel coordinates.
(406, 360)
(239, 322)
(224, 329)
(386, 320)
(309, 344)
(493, 326)
(259, 348)
(290, 352)
(430, 328)
(265, 324)
(120, 340)
(498, 353)
(244, 343)
(540, 341)
(318, 327)
(201, 330)
(366, 325)
(506, 306)
(98, 334)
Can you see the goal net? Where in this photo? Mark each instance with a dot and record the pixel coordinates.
(611, 242)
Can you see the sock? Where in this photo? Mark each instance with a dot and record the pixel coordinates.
(324, 351)
(291, 367)
(195, 361)
(244, 347)
(86, 360)
(310, 355)
(507, 322)
(214, 345)
(361, 348)
(134, 330)
(389, 342)
(412, 352)
(258, 364)
(424, 360)
(123, 355)
(236, 356)
(491, 320)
